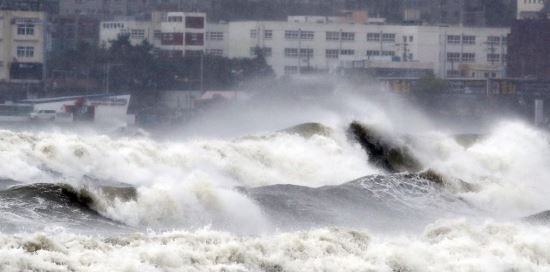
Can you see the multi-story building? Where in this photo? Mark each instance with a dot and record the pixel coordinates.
(295, 46)
(21, 46)
(529, 9)
(174, 33)
(317, 43)
(68, 31)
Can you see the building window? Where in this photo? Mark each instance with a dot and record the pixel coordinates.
(468, 57)
(291, 34)
(453, 57)
(291, 52)
(194, 38)
(493, 40)
(175, 19)
(388, 53)
(214, 52)
(253, 33)
(291, 70)
(307, 35)
(137, 34)
(306, 53)
(504, 40)
(347, 52)
(214, 36)
(25, 29)
(194, 22)
(469, 39)
(171, 38)
(493, 58)
(453, 39)
(268, 52)
(373, 37)
(454, 73)
(333, 36)
(268, 34)
(191, 53)
(372, 53)
(331, 53)
(348, 36)
(388, 37)
(25, 51)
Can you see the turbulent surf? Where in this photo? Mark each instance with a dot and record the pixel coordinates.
(352, 195)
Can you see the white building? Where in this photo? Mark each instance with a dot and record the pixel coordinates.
(21, 46)
(299, 45)
(326, 44)
(529, 8)
(175, 33)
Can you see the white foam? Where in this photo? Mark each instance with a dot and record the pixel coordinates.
(189, 183)
(444, 246)
(509, 166)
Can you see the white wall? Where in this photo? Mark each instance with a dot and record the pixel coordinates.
(528, 7)
(110, 30)
(427, 44)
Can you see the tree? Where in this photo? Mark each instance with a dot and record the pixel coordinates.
(143, 68)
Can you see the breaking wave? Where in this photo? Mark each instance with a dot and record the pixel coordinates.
(310, 198)
(457, 245)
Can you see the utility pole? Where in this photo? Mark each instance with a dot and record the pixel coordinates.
(202, 72)
(405, 48)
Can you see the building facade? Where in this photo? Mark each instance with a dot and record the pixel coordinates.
(326, 44)
(529, 9)
(22, 46)
(174, 33)
(293, 47)
(67, 32)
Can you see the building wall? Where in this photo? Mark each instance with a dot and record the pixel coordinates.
(395, 43)
(70, 30)
(21, 51)
(529, 8)
(176, 33)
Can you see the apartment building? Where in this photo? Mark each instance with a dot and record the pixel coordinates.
(174, 33)
(294, 46)
(21, 46)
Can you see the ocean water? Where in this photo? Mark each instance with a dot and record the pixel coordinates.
(303, 199)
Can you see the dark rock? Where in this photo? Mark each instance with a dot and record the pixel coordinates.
(539, 218)
(382, 152)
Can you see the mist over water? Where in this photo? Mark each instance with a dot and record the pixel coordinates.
(235, 190)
